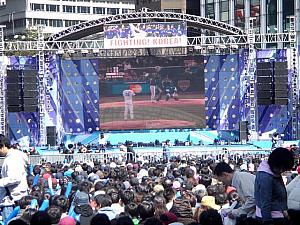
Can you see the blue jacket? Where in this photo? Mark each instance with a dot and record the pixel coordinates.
(270, 193)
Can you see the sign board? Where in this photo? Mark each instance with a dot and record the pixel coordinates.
(145, 35)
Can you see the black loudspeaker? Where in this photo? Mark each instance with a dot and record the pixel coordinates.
(14, 91)
(280, 83)
(30, 90)
(264, 84)
(243, 130)
(51, 135)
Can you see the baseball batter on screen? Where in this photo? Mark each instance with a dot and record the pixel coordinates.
(127, 94)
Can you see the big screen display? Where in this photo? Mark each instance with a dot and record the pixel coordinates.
(145, 35)
(152, 93)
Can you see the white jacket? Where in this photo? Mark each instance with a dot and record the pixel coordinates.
(293, 193)
(13, 176)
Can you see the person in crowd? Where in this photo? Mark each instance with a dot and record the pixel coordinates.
(210, 217)
(13, 182)
(82, 208)
(243, 182)
(104, 203)
(270, 192)
(293, 193)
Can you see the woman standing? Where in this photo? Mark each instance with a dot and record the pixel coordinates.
(270, 192)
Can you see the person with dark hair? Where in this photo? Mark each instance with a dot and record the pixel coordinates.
(210, 217)
(145, 211)
(131, 209)
(169, 195)
(104, 202)
(62, 202)
(152, 221)
(124, 220)
(127, 196)
(40, 218)
(27, 215)
(55, 214)
(243, 182)
(116, 206)
(17, 222)
(270, 191)
(13, 182)
(100, 219)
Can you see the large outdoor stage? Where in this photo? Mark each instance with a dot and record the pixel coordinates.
(144, 74)
(78, 104)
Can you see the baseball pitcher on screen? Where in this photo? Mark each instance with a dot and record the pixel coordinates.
(128, 94)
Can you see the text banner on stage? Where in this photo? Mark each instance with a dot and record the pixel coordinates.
(145, 35)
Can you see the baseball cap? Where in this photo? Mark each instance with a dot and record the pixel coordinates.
(81, 198)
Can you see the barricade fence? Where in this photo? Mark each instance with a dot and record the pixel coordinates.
(215, 154)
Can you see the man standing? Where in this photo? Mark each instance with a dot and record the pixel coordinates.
(127, 94)
(244, 184)
(13, 182)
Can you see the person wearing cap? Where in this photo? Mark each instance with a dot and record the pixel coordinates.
(243, 182)
(82, 208)
(13, 182)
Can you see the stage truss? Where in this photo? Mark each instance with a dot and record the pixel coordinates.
(196, 45)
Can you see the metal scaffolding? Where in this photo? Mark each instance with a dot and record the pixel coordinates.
(251, 70)
(3, 104)
(42, 91)
(295, 85)
(204, 42)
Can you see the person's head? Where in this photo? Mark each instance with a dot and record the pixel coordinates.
(127, 196)
(62, 202)
(103, 200)
(4, 145)
(115, 197)
(17, 222)
(281, 160)
(25, 201)
(131, 209)
(210, 217)
(27, 215)
(40, 218)
(224, 173)
(124, 220)
(145, 210)
(152, 221)
(100, 219)
(55, 213)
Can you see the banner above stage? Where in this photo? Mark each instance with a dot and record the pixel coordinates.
(145, 35)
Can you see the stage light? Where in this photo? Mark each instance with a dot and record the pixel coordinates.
(222, 46)
(96, 52)
(234, 46)
(211, 47)
(60, 51)
(84, 52)
(71, 51)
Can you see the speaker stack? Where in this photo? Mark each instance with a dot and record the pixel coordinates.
(280, 83)
(14, 90)
(272, 83)
(22, 91)
(264, 83)
(51, 135)
(243, 131)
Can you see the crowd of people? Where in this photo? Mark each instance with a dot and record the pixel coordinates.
(169, 191)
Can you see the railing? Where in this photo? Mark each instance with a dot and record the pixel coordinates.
(216, 154)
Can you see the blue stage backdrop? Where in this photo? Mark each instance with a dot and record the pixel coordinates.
(73, 96)
(79, 88)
